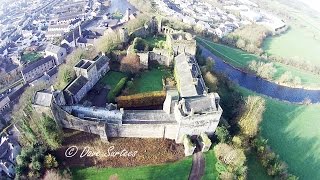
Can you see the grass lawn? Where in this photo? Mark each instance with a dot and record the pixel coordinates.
(255, 169)
(177, 170)
(240, 59)
(112, 78)
(210, 171)
(149, 80)
(297, 42)
(30, 57)
(156, 42)
(293, 133)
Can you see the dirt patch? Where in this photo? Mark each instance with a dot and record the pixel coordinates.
(133, 151)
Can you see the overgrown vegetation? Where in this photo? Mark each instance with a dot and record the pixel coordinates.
(130, 64)
(240, 134)
(248, 38)
(39, 133)
(136, 23)
(66, 73)
(266, 67)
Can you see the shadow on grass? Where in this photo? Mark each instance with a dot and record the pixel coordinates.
(293, 133)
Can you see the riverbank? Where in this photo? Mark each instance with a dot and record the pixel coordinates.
(293, 133)
(260, 85)
(240, 61)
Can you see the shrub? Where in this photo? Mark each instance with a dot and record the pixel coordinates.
(117, 89)
(50, 161)
(130, 64)
(142, 99)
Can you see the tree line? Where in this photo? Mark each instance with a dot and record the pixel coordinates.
(238, 133)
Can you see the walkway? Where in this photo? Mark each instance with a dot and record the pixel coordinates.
(198, 165)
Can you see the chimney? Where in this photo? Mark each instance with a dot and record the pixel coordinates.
(80, 34)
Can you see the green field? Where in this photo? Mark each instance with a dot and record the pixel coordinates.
(298, 43)
(30, 57)
(112, 78)
(149, 80)
(210, 171)
(293, 133)
(177, 170)
(255, 169)
(156, 42)
(241, 59)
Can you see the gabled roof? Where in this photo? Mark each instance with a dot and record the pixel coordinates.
(36, 64)
(72, 35)
(76, 85)
(53, 48)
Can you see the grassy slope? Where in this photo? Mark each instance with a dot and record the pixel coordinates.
(293, 133)
(112, 78)
(240, 59)
(149, 81)
(255, 169)
(211, 160)
(177, 170)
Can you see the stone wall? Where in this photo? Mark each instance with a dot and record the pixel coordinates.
(162, 56)
(196, 124)
(69, 121)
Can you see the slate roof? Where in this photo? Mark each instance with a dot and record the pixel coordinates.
(4, 101)
(101, 61)
(53, 48)
(52, 71)
(189, 76)
(76, 85)
(200, 104)
(36, 64)
(43, 99)
(73, 34)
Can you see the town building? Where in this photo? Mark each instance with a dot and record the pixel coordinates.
(9, 150)
(37, 69)
(59, 53)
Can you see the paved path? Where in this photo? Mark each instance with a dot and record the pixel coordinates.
(198, 165)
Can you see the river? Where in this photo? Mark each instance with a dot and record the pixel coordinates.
(259, 85)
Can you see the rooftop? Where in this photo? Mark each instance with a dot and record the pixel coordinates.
(190, 82)
(53, 48)
(76, 85)
(36, 64)
(43, 98)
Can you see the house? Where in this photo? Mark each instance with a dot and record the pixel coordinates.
(71, 38)
(48, 78)
(4, 103)
(38, 68)
(59, 53)
(9, 150)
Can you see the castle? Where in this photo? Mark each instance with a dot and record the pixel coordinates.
(188, 110)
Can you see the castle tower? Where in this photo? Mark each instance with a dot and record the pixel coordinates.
(123, 34)
(159, 25)
(80, 33)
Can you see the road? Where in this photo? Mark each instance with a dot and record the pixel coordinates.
(198, 165)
